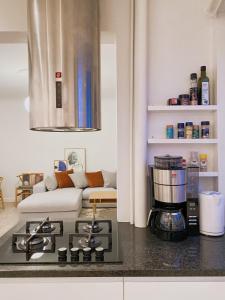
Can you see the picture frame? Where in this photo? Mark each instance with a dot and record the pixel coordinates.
(76, 158)
(60, 165)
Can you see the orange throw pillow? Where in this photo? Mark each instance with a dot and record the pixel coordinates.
(95, 179)
(63, 179)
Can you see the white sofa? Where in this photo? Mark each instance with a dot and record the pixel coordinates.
(64, 203)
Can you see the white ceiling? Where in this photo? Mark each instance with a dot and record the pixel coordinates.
(14, 71)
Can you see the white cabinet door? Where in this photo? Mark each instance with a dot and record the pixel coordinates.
(175, 289)
(61, 288)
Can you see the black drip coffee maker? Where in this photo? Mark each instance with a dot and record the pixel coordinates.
(168, 181)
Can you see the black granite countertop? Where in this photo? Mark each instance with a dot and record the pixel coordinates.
(143, 255)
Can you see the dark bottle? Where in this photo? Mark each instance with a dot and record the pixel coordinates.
(203, 88)
(194, 90)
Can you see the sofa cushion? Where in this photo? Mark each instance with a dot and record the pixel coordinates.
(51, 183)
(79, 180)
(95, 179)
(88, 191)
(68, 199)
(109, 179)
(63, 179)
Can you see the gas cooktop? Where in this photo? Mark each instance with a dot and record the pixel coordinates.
(57, 242)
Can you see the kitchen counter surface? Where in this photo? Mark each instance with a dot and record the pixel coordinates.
(143, 255)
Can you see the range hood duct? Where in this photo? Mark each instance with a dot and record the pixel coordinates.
(64, 65)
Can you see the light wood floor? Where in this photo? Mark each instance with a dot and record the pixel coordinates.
(9, 216)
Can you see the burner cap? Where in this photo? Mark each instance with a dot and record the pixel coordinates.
(36, 243)
(92, 243)
(47, 228)
(92, 227)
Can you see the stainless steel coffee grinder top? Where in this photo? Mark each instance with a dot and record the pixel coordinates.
(168, 162)
(169, 179)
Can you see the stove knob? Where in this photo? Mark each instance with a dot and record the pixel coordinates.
(99, 253)
(87, 254)
(62, 254)
(74, 252)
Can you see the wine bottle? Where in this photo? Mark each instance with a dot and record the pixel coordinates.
(203, 88)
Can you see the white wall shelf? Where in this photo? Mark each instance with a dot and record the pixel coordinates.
(167, 108)
(208, 174)
(182, 141)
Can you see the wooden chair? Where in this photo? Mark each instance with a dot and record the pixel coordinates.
(25, 186)
(1, 194)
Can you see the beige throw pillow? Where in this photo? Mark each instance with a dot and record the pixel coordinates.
(79, 180)
(109, 179)
(51, 183)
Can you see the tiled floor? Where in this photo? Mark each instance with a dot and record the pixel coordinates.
(9, 216)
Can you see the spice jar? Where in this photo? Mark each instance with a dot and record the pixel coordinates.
(195, 133)
(173, 101)
(169, 132)
(188, 130)
(184, 99)
(203, 162)
(205, 129)
(180, 131)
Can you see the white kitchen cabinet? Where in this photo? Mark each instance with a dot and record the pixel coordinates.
(61, 288)
(174, 289)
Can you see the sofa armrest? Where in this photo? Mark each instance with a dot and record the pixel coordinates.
(39, 187)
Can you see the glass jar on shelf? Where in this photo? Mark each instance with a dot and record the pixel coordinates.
(180, 131)
(195, 133)
(184, 99)
(203, 162)
(205, 130)
(194, 159)
(189, 130)
(169, 131)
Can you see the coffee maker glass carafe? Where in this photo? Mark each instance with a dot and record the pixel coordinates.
(168, 181)
(172, 220)
(168, 224)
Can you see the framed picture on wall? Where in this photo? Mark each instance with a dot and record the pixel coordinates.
(60, 165)
(76, 158)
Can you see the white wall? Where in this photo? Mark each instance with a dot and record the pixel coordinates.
(116, 18)
(23, 150)
(220, 59)
(181, 39)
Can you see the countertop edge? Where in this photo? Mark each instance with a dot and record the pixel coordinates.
(126, 273)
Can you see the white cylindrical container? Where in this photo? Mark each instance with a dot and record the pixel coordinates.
(211, 213)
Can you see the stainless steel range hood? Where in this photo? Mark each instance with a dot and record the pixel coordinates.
(64, 65)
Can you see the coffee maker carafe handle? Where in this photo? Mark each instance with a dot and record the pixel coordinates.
(151, 219)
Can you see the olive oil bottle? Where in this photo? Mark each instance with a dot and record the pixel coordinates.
(203, 88)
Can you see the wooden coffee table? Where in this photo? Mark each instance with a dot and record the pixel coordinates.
(102, 197)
